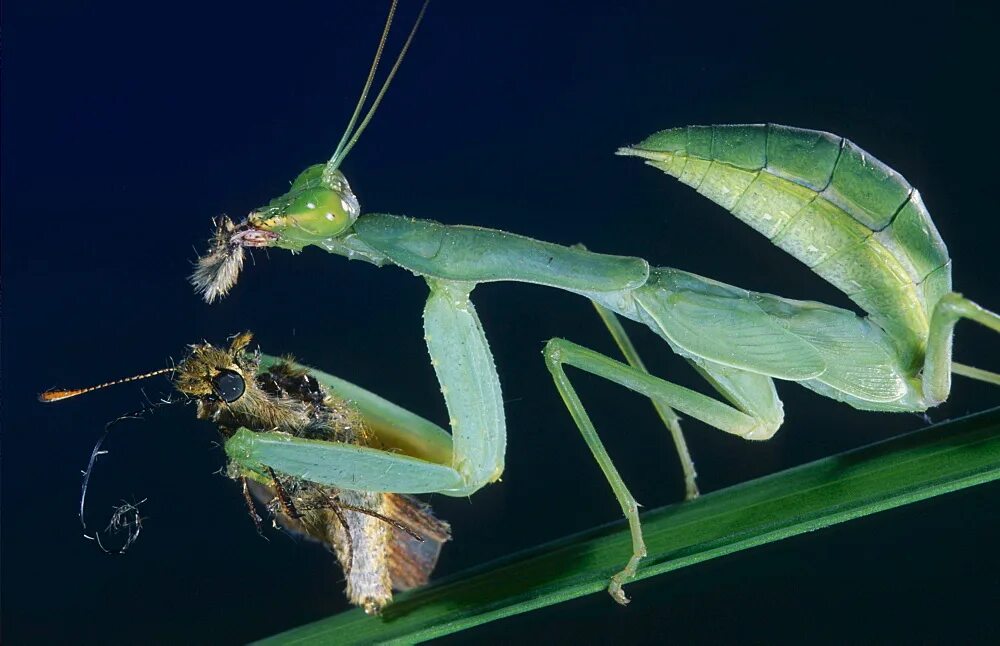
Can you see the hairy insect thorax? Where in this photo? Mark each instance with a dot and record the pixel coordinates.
(846, 215)
(284, 398)
(319, 206)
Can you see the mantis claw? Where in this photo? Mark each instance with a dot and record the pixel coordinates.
(618, 580)
(615, 590)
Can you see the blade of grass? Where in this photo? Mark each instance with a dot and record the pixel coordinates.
(936, 460)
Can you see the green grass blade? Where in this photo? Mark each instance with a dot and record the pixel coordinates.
(939, 459)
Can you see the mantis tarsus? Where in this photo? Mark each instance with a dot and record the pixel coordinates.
(851, 219)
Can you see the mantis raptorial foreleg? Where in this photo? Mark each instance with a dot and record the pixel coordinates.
(758, 420)
(938, 365)
(465, 369)
(474, 457)
(667, 414)
(340, 465)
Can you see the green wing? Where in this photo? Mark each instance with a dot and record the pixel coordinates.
(722, 324)
(850, 218)
(859, 360)
(773, 336)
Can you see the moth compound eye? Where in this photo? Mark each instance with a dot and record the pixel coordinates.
(229, 385)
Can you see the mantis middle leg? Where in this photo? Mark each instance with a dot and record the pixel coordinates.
(757, 414)
(667, 414)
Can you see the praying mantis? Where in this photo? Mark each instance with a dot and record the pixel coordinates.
(852, 220)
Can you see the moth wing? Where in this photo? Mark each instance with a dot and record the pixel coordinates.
(411, 561)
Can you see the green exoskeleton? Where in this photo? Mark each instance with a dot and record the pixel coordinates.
(848, 217)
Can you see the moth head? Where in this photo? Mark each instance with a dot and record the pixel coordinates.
(217, 376)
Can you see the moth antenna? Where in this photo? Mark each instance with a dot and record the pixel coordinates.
(385, 519)
(368, 82)
(341, 152)
(56, 395)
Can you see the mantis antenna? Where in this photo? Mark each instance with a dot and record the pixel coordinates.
(368, 82)
(348, 139)
(56, 395)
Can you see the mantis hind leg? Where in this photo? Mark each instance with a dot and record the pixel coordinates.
(938, 365)
(975, 373)
(667, 414)
(761, 419)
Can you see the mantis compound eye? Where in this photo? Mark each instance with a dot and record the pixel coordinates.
(320, 206)
(229, 385)
(324, 211)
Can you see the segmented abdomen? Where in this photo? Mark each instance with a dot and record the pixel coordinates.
(849, 217)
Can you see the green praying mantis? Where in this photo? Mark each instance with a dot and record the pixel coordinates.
(852, 220)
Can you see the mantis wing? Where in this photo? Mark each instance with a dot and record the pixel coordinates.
(858, 358)
(773, 336)
(724, 325)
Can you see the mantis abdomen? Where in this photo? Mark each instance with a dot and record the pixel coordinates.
(846, 215)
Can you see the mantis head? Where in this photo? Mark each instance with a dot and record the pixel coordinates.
(319, 206)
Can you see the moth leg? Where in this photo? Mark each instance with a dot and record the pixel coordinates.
(248, 499)
(287, 506)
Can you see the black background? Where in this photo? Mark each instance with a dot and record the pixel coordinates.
(127, 126)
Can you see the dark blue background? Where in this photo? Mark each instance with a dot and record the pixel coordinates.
(127, 126)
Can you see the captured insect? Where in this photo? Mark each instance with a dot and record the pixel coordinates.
(384, 541)
(850, 218)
